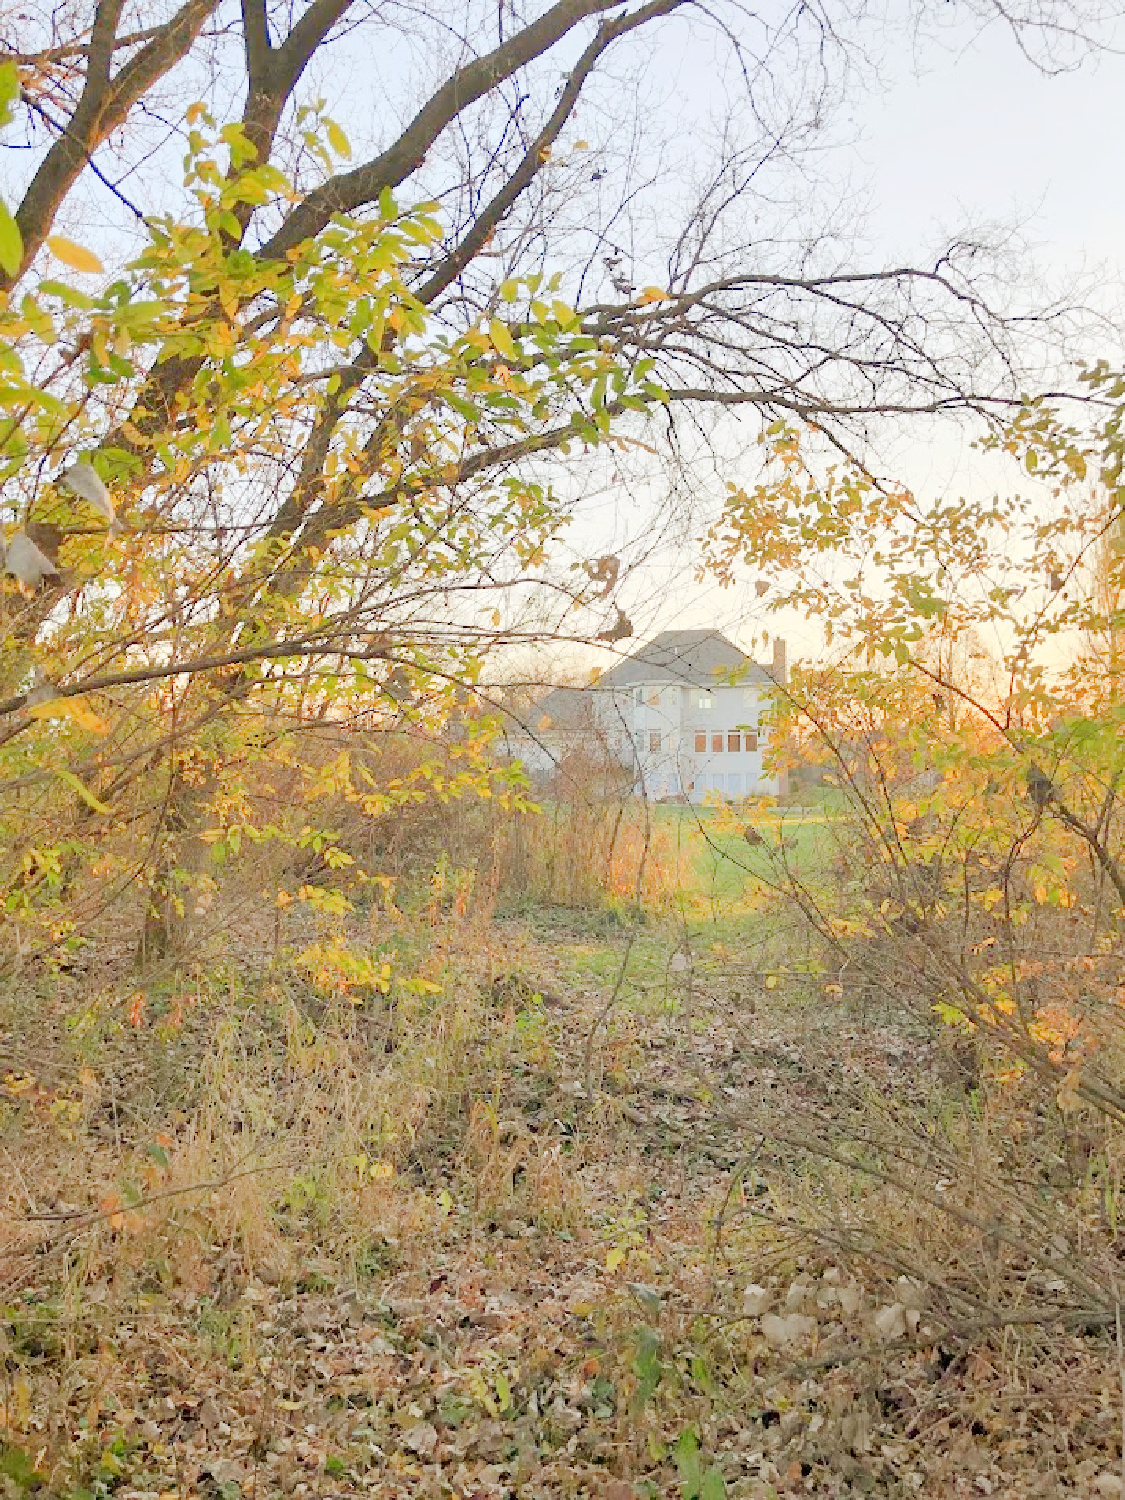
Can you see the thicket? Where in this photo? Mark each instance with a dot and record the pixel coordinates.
(283, 465)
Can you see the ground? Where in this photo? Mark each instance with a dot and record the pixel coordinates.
(542, 1227)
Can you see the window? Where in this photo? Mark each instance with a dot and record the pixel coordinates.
(734, 743)
(653, 697)
(751, 739)
(716, 743)
(654, 741)
(750, 697)
(734, 785)
(640, 695)
(703, 699)
(700, 740)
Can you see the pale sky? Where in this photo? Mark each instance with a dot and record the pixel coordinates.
(965, 135)
(964, 132)
(980, 135)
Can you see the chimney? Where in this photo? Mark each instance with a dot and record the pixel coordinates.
(780, 662)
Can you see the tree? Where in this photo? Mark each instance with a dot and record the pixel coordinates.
(321, 394)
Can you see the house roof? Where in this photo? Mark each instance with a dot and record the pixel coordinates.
(698, 658)
(563, 708)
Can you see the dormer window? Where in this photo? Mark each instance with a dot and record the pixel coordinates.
(703, 698)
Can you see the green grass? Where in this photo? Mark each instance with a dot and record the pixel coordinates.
(722, 867)
(721, 875)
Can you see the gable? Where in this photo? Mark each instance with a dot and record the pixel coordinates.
(692, 658)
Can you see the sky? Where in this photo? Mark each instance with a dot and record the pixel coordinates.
(967, 133)
(973, 132)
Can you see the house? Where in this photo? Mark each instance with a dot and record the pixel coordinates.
(683, 714)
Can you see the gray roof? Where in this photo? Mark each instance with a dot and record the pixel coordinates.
(699, 658)
(565, 707)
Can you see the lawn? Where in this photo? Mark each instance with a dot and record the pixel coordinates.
(719, 865)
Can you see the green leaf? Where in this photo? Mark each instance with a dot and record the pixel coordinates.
(67, 294)
(17, 1466)
(9, 91)
(242, 149)
(714, 1486)
(686, 1455)
(11, 242)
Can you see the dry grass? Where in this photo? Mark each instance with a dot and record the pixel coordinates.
(227, 1157)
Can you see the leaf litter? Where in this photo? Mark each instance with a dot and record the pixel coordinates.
(656, 1342)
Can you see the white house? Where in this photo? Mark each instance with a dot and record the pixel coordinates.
(684, 712)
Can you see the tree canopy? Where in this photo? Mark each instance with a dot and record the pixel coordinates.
(320, 393)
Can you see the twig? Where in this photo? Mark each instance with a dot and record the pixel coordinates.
(82, 1219)
(603, 1015)
(1079, 1317)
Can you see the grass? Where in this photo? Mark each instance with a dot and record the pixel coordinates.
(720, 868)
(505, 1212)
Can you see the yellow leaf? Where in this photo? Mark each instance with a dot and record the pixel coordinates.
(501, 338)
(338, 140)
(771, 981)
(21, 1401)
(614, 1258)
(83, 790)
(70, 708)
(77, 257)
(582, 145)
(653, 294)
(110, 1208)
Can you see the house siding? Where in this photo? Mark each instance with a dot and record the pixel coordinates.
(650, 711)
(664, 719)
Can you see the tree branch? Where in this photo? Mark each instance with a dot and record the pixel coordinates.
(521, 179)
(351, 190)
(103, 106)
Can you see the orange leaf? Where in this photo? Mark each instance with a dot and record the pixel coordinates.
(111, 1206)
